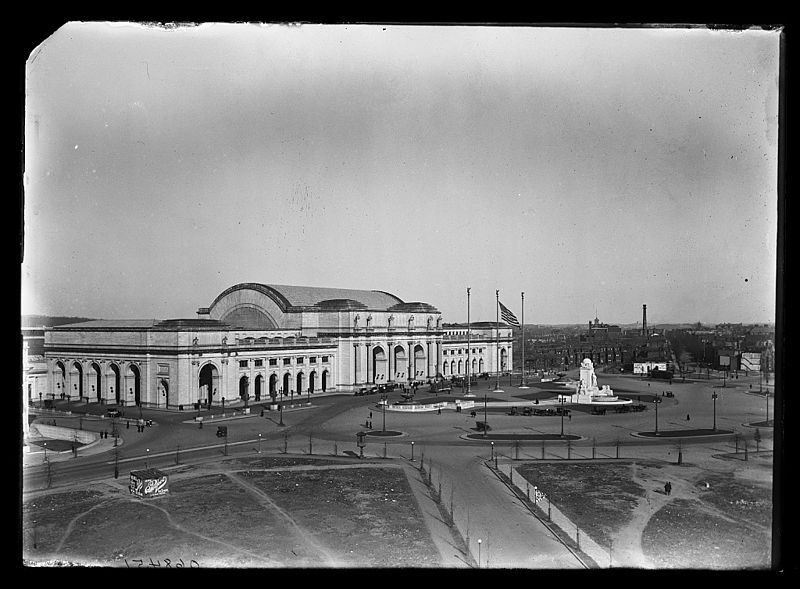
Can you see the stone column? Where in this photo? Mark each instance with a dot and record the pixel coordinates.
(390, 374)
(410, 360)
(367, 347)
(428, 358)
(355, 364)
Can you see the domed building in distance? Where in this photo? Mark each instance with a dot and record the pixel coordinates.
(257, 341)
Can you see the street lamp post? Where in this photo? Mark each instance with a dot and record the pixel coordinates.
(383, 398)
(259, 443)
(714, 398)
(485, 419)
(766, 398)
(45, 451)
(146, 457)
(562, 415)
(223, 405)
(412, 451)
(479, 553)
(492, 456)
(657, 401)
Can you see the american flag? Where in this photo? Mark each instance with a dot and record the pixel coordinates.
(508, 316)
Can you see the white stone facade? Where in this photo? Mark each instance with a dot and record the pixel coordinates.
(257, 339)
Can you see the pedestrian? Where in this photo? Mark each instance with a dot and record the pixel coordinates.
(370, 414)
(262, 412)
(667, 488)
(688, 418)
(127, 424)
(439, 411)
(569, 416)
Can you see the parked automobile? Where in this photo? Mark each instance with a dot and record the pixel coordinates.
(222, 431)
(113, 413)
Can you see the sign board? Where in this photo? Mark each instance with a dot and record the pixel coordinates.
(645, 367)
(751, 361)
(150, 482)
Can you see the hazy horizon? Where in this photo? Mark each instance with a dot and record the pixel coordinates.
(595, 169)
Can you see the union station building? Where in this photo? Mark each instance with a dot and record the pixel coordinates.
(258, 341)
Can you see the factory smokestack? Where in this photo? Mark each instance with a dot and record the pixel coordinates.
(644, 320)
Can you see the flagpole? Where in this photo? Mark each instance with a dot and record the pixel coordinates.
(469, 344)
(497, 388)
(523, 385)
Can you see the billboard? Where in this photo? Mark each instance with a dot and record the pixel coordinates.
(646, 367)
(148, 483)
(751, 361)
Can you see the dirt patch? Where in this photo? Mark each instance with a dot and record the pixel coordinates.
(600, 498)
(369, 515)
(364, 515)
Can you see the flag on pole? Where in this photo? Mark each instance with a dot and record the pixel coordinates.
(508, 316)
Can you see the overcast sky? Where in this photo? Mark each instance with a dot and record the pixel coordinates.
(595, 169)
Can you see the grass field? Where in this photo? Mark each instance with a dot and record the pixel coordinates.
(265, 512)
(711, 520)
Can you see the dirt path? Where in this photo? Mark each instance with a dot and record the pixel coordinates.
(73, 522)
(305, 536)
(627, 549)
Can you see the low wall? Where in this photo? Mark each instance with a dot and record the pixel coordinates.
(56, 432)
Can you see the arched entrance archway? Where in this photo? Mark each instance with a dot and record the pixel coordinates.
(115, 389)
(286, 383)
(244, 388)
(460, 366)
(273, 386)
(312, 381)
(379, 364)
(76, 381)
(301, 383)
(133, 379)
(444, 368)
(258, 385)
(60, 377)
(452, 367)
(473, 372)
(419, 362)
(95, 386)
(400, 362)
(480, 365)
(163, 391)
(503, 358)
(208, 381)
(324, 380)
(133, 382)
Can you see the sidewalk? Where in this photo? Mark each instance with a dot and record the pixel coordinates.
(35, 455)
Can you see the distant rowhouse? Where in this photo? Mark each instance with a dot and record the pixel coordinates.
(257, 341)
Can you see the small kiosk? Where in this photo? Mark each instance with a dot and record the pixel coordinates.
(149, 482)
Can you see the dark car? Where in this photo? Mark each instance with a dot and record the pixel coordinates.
(222, 431)
(113, 413)
(527, 411)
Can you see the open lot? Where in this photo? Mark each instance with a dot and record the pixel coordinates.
(265, 512)
(715, 517)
